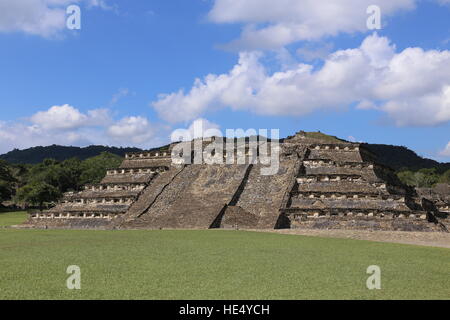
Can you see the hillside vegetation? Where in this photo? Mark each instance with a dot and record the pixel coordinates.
(60, 153)
(399, 157)
(43, 183)
(411, 169)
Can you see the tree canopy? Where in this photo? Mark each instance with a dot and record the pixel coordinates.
(6, 182)
(46, 182)
(38, 193)
(423, 178)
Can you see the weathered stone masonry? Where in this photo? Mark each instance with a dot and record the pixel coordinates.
(319, 184)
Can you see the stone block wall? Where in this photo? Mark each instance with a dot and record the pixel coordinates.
(318, 185)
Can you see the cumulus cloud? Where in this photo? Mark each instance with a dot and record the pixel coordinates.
(32, 16)
(66, 125)
(67, 117)
(137, 130)
(24, 135)
(272, 24)
(199, 128)
(63, 124)
(446, 151)
(233, 89)
(310, 52)
(205, 128)
(412, 86)
(45, 18)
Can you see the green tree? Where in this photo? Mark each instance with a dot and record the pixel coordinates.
(6, 191)
(47, 181)
(64, 175)
(20, 173)
(94, 169)
(426, 178)
(38, 193)
(445, 177)
(68, 174)
(6, 182)
(407, 177)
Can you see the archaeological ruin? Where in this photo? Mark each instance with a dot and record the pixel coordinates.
(320, 183)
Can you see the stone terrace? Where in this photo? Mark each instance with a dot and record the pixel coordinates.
(322, 182)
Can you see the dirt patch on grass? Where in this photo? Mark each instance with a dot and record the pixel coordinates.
(432, 239)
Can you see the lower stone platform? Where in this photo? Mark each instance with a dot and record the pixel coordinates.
(71, 223)
(366, 223)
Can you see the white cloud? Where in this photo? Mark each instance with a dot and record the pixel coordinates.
(66, 125)
(203, 128)
(121, 93)
(132, 129)
(272, 24)
(45, 18)
(32, 16)
(412, 86)
(22, 135)
(232, 89)
(102, 4)
(310, 53)
(67, 117)
(446, 151)
(199, 128)
(366, 105)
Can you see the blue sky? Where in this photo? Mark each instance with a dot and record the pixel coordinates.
(128, 76)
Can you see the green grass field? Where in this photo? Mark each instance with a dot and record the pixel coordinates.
(212, 264)
(12, 218)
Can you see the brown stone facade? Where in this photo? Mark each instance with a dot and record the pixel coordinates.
(319, 184)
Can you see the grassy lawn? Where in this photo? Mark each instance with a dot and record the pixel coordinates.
(213, 264)
(12, 218)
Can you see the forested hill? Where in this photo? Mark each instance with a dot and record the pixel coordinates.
(398, 157)
(38, 154)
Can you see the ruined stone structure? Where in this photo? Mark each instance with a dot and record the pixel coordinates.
(439, 195)
(321, 183)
